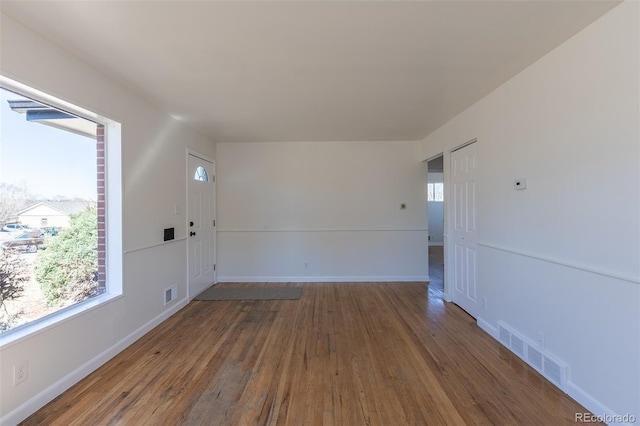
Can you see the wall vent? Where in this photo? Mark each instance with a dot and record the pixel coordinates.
(552, 369)
(505, 336)
(170, 294)
(517, 345)
(535, 357)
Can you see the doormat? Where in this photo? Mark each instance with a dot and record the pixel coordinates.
(250, 293)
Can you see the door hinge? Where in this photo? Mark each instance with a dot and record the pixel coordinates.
(214, 266)
(213, 178)
(214, 222)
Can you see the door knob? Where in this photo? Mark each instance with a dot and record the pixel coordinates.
(190, 223)
(192, 233)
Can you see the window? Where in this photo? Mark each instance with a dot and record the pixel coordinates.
(53, 182)
(435, 192)
(201, 174)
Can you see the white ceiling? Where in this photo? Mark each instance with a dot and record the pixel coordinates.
(309, 70)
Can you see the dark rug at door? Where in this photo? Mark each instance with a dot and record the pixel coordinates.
(249, 293)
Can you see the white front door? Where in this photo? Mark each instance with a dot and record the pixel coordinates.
(201, 225)
(463, 180)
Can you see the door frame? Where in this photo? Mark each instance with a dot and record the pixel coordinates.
(448, 219)
(188, 178)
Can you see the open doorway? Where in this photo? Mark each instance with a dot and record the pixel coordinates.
(435, 211)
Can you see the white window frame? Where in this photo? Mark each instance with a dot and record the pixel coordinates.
(113, 217)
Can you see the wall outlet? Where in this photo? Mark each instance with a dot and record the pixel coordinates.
(20, 372)
(540, 339)
(484, 302)
(306, 265)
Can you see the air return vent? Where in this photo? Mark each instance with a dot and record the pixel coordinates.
(505, 336)
(535, 358)
(517, 345)
(170, 294)
(554, 370)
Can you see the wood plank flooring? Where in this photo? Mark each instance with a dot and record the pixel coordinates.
(344, 354)
(436, 267)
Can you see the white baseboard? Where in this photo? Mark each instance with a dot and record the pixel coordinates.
(598, 409)
(42, 398)
(586, 400)
(491, 330)
(322, 279)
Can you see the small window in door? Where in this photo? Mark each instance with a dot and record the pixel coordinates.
(201, 174)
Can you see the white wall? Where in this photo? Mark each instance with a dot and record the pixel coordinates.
(562, 257)
(154, 180)
(334, 205)
(435, 211)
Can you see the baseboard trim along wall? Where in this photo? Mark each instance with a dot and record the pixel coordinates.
(575, 392)
(323, 279)
(47, 395)
(596, 407)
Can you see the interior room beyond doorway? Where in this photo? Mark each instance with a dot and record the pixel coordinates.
(435, 209)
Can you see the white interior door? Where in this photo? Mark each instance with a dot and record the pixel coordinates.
(463, 180)
(201, 224)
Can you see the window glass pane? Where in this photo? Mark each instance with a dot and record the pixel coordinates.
(201, 174)
(51, 210)
(435, 192)
(438, 192)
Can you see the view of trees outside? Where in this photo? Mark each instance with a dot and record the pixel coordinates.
(46, 262)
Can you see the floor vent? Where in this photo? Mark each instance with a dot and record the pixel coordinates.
(170, 294)
(554, 370)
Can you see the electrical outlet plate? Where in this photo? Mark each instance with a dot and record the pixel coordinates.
(20, 372)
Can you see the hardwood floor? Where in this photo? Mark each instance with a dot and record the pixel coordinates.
(436, 267)
(344, 354)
